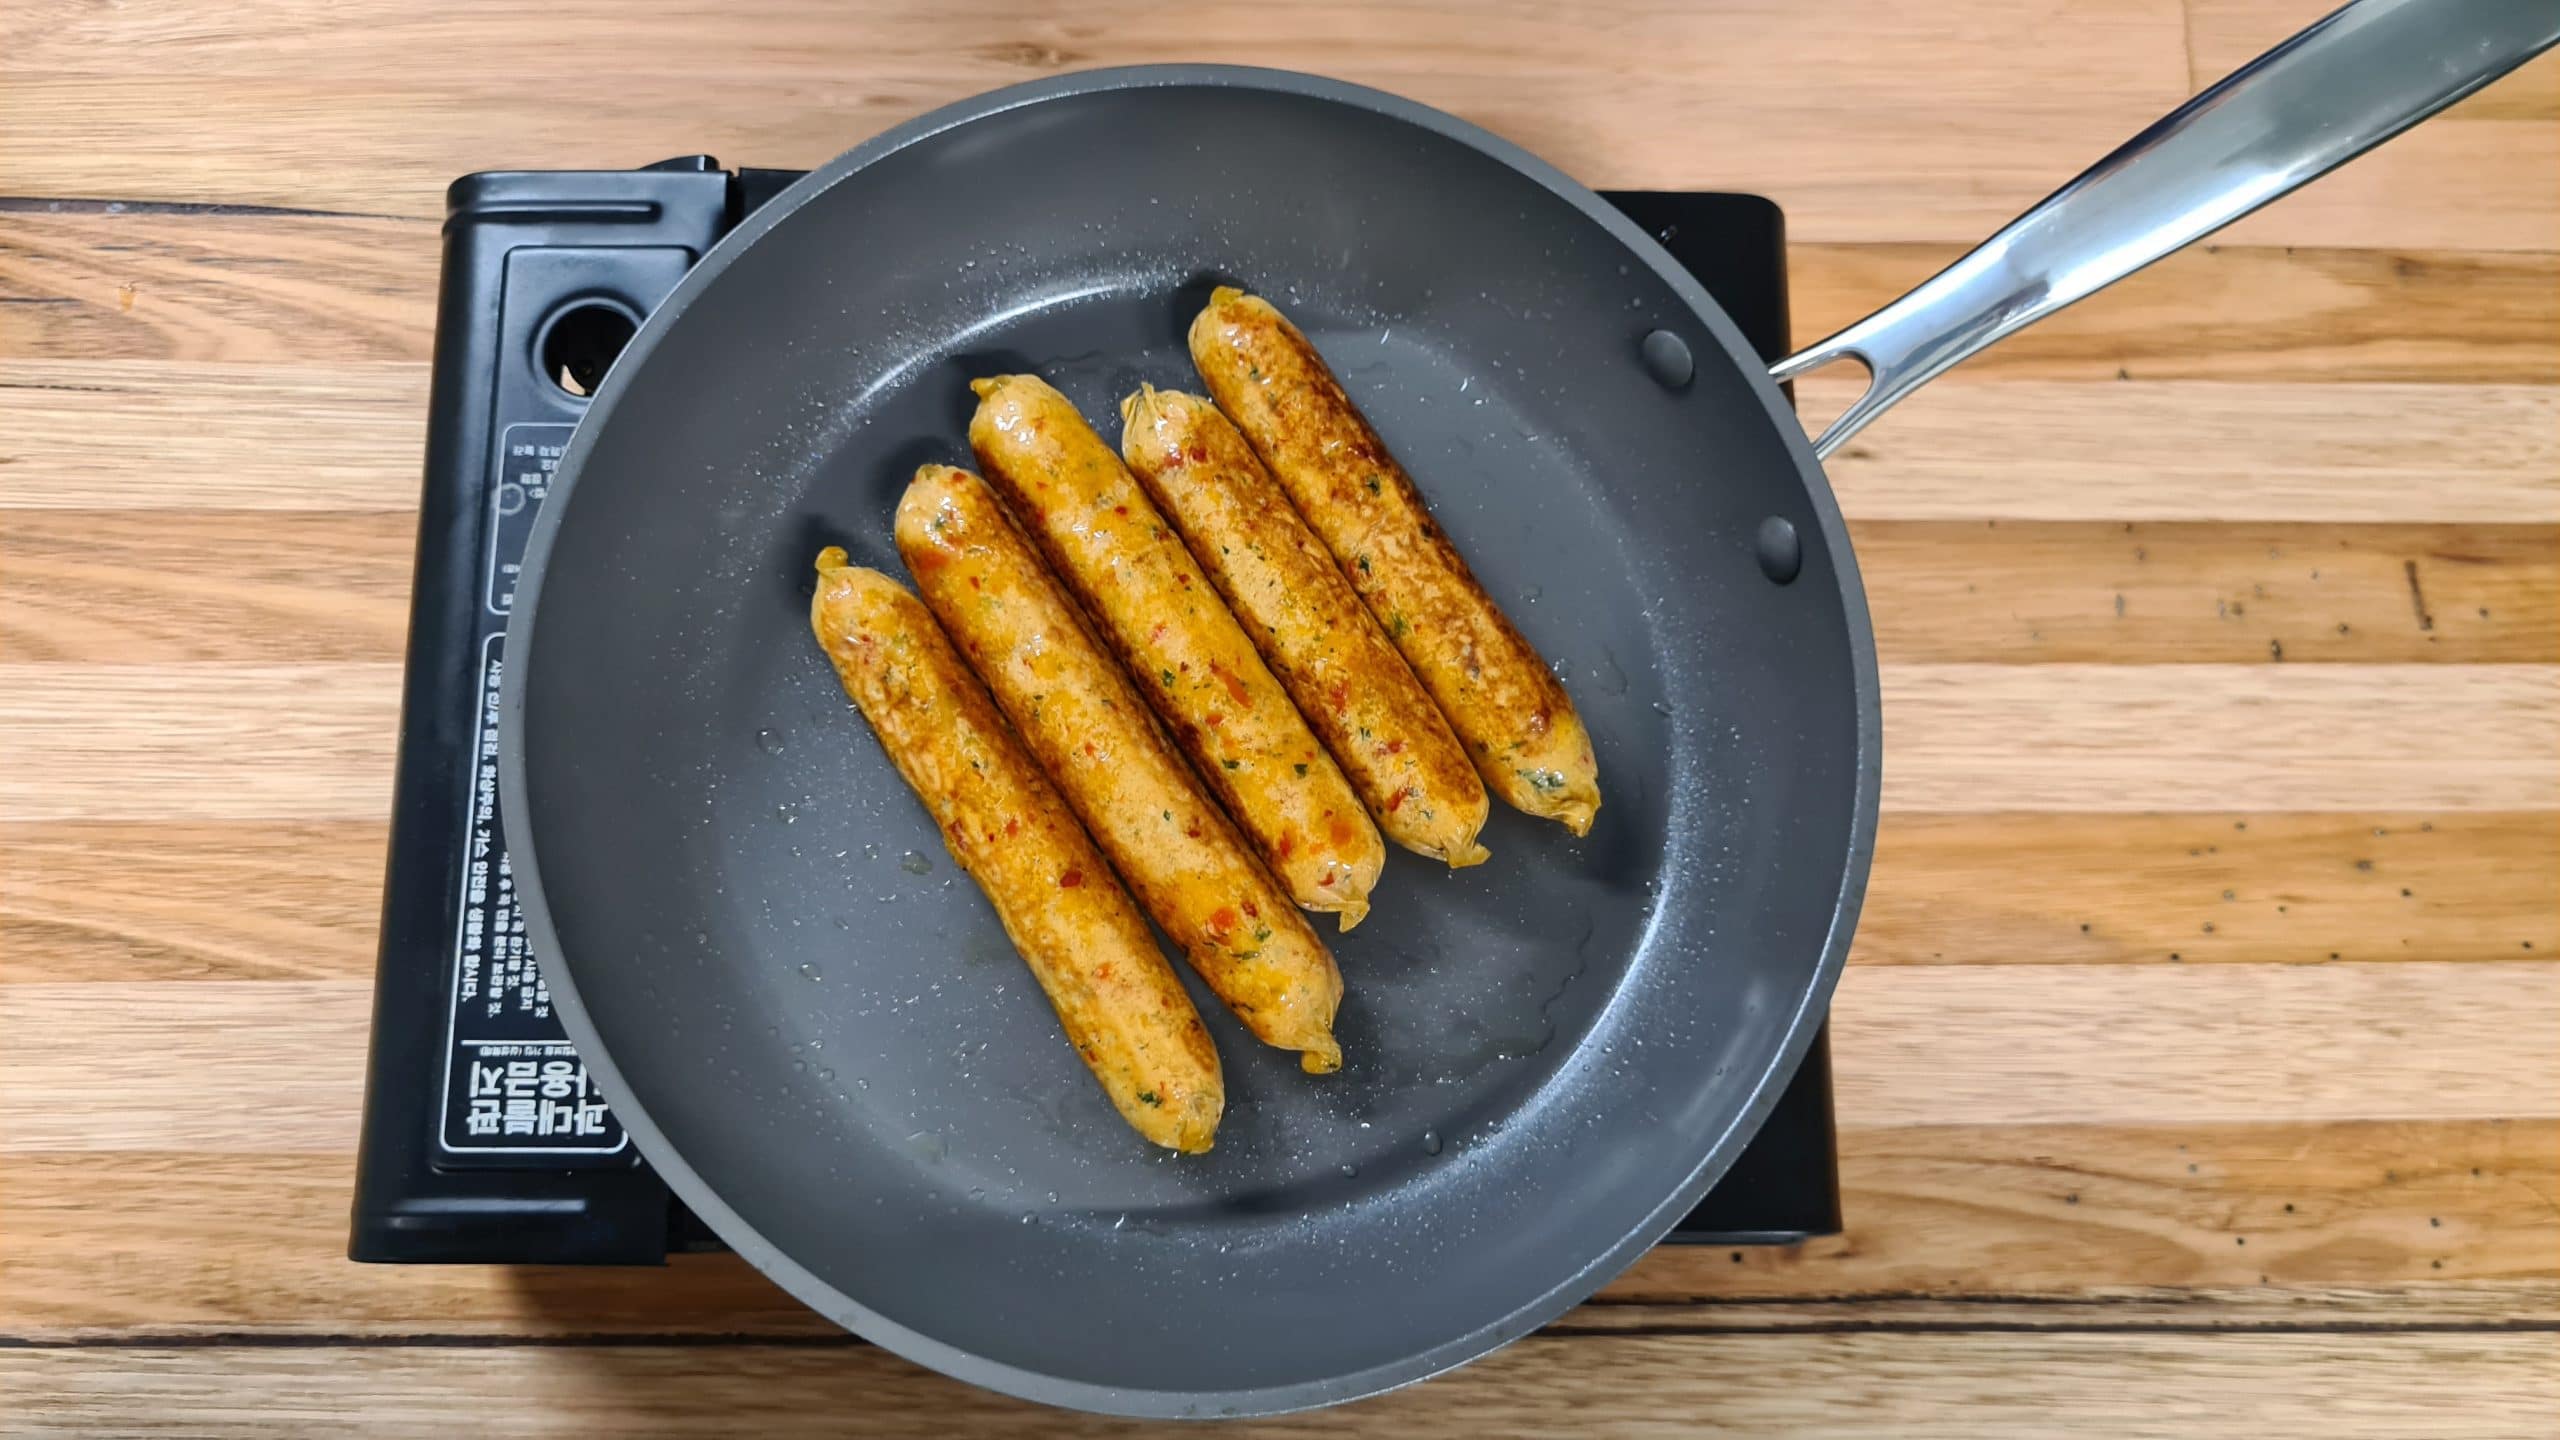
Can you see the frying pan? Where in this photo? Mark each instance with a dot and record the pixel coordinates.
(812, 1025)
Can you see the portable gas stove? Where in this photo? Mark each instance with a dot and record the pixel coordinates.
(484, 1139)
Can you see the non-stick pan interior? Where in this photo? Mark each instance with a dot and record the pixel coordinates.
(811, 1019)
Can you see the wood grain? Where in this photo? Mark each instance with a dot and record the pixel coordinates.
(150, 900)
(2129, 594)
(150, 587)
(2249, 1223)
(2221, 737)
(1965, 1383)
(203, 741)
(258, 900)
(195, 742)
(2046, 888)
(2232, 451)
(189, 435)
(1858, 143)
(84, 282)
(128, 587)
(117, 434)
(150, 1066)
(89, 283)
(2240, 312)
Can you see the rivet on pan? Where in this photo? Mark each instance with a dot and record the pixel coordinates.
(1667, 359)
(1781, 553)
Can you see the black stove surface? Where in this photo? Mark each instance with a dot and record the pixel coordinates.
(484, 1139)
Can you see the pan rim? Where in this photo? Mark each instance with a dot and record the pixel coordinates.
(843, 1309)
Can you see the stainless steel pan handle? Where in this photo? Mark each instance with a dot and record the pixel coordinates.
(2355, 79)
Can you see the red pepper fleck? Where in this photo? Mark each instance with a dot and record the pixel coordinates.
(1393, 801)
(1194, 830)
(1119, 509)
(1337, 829)
(1089, 750)
(1199, 452)
(1173, 458)
(1326, 880)
(1235, 687)
(1221, 920)
(1538, 721)
(1341, 696)
(1253, 910)
(1158, 632)
(1013, 827)
(932, 558)
(1072, 879)
(1102, 972)
(1216, 718)
(1288, 843)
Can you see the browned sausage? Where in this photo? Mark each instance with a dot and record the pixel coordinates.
(1354, 689)
(1121, 1004)
(1158, 613)
(1519, 726)
(1081, 720)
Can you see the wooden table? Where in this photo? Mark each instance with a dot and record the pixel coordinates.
(2200, 1065)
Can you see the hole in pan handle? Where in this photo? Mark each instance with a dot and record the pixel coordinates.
(2353, 80)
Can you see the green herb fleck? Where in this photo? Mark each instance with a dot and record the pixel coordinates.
(1364, 564)
(1261, 933)
(1302, 771)
(1396, 625)
(1149, 1097)
(1545, 782)
(1231, 764)
(1168, 817)
(1372, 483)
(1165, 675)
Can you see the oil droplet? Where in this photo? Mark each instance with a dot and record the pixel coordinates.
(927, 1144)
(916, 862)
(1053, 1197)
(1430, 1142)
(1349, 1171)
(769, 741)
(810, 972)
(870, 852)
(825, 1074)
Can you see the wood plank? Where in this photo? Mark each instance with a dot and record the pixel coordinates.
(191, 436)
(87, 283)
(256, 900)
(2439, 1221)
(133, 435)
(1913, 1386)
(1858, 141)
(151, 901)
(198, 742)
(2186, 592)
(137, 587)
(157, 1066)
(2188, 450)
(299, 289)
(315, 742)
(1991, 889)
(130, 587)
(2221, 737)
(795, 83)
(2240, 312)
(1972, 890)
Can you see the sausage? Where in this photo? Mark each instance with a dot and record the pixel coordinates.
(1505, 704)
(1193, 662)
(1355, 691)
(1080, 719)
(1121, 1005)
